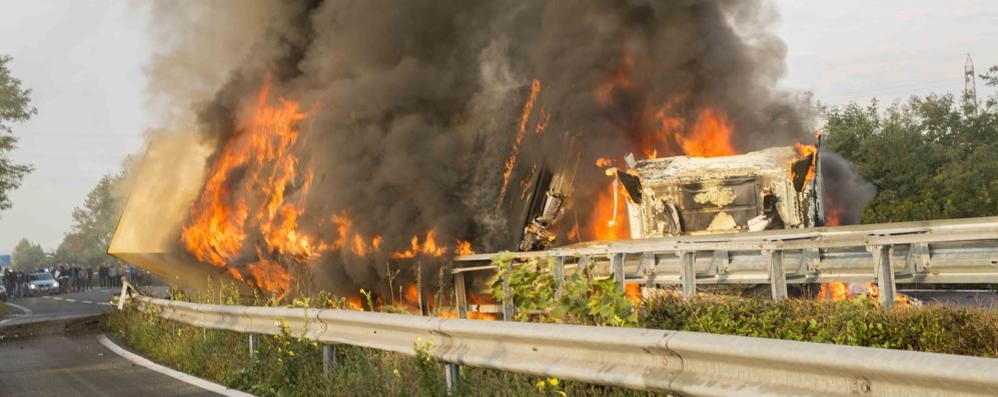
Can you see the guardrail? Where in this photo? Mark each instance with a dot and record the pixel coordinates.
(946, 251)
(686, 363)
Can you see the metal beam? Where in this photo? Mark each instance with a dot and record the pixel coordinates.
(777, 276)
(688, 273)
(676, 362)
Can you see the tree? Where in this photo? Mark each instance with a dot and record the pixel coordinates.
(929, 157)
(93, 225)
(27, 255)
(15, 106)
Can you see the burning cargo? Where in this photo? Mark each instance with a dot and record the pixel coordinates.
(774, 188)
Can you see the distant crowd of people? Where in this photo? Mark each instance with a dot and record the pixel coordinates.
(74, 278)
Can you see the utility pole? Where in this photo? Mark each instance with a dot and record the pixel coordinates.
(969, 84)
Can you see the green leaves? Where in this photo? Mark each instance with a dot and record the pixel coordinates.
(584, 299)
(929, 157)
(15, 106)
(857, 322)
(27, 255)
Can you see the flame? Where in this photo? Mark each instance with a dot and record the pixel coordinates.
(428, 247)
(803, 151)
(347, 238)
(833, 291)
(573, 233)
(604, 162)
(542, 123)
(535, 88)
(610, 220)
(471, 315)
(411, 294)
(710, 135)
(621, 81)
(833, 215)
(260, 152)
(633, 292)
(354, 303)
(270, 276)
(463, 248)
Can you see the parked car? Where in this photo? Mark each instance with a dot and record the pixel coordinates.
(42, 283)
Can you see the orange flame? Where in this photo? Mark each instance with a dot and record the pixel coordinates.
(261, 152)
(610, 221)
(804, 151)
(833, 291)
(471, 315)
(270, 276)
(633, 292)
(535, 88)
(710, 135)
(604, 162)
(463, 248)
(428, 247)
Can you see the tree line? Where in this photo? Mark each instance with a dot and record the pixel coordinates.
(931, 157)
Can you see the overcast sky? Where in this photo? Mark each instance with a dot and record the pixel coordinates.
(84, 60)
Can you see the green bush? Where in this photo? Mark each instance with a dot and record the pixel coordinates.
(857, 322)
(584, 299)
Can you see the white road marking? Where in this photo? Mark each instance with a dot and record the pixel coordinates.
(57, 298)
(27, 312)
(70, 300)
(90, 302)
(21, 308)
(142, 361)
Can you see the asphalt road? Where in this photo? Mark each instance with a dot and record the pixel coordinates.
(60, 365)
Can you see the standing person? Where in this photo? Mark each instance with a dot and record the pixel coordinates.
(90, 278)
(72, 277)
(8, 281)
(112, 276)
(19, 281)
(102, 275)
(81, 278)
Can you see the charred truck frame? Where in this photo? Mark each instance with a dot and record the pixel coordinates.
(775, 188)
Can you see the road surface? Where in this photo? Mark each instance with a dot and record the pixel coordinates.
(68, 365)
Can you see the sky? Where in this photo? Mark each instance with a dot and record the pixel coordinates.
(84, 62)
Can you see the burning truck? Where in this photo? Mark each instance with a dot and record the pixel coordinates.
(334, 146)
(775, 188)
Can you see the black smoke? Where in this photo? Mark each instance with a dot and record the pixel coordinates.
(845, 192)
(415, 105)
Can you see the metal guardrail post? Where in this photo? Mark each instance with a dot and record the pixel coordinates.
(689, 274)
(885, 274)
(778, 278)
(254, 344)
(328, 359)
(617, 264)
(507, 302)
(452, 375)
(559, 275)
(460, 296)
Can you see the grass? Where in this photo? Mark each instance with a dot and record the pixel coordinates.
(4, 310)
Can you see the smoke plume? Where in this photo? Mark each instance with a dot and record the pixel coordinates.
(414, 111)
